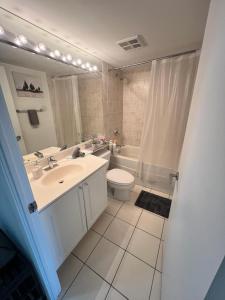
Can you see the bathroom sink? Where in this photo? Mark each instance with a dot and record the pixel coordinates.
(61, 174)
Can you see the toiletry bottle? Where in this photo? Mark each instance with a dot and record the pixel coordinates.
(36, 170)
(114, 148)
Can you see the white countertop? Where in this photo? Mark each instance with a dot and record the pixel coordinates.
(44, 194)
(46, 152)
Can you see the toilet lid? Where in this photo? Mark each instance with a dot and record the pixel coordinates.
(120, 176)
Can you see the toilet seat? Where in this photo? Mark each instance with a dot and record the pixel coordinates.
(120, 177)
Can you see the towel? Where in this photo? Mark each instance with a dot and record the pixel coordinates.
(33, 117)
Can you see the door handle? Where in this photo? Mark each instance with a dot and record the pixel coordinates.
(18, 138)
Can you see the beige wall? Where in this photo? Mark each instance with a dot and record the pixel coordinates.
(135, 91)
(44, 135)
(195, 241)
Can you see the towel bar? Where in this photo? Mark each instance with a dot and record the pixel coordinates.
(25, 111)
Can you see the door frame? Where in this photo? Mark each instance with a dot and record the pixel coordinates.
(18, 183)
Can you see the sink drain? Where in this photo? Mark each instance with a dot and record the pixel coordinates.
(61, 181)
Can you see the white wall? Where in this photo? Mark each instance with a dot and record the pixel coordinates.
(195, 244)
(44, 135)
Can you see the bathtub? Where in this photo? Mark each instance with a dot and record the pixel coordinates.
(127, 159)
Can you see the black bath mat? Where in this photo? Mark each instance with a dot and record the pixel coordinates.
(154, 203)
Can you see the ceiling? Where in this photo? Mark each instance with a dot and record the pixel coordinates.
(95, 26)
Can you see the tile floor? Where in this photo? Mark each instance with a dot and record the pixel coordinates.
(119, 258)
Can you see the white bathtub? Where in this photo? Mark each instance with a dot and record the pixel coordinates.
(127, 159)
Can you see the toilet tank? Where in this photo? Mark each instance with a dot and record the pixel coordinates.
(104, 154)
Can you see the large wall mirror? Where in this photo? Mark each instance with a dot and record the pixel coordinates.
(53, 90)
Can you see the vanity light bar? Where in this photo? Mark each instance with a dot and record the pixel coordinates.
(22, 42)
(2, 31)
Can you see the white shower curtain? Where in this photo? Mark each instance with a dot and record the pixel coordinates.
(166, 114)
(66, 109)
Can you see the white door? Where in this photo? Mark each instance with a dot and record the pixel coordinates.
(95, 195)
(4, 83)
(195, 241)
(23, 224)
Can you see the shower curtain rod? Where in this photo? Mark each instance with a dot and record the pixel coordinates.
(132, 65)
(158, 58)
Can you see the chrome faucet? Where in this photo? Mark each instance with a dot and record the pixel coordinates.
(52, 162)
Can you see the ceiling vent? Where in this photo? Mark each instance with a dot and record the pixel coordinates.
(133, 42)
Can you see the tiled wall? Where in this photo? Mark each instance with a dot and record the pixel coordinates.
(94, 105)
(90, 96)
(135, 92)
(122, 107)
(113, 108)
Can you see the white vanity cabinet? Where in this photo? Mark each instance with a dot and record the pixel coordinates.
(64, 222)
(68, 218)
(95, 195)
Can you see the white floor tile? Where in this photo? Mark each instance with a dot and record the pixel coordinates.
(160, 257)
(134, 278)
(129, 214)
(144, 246)
(86, 245)
(156, 287)
(160, 193)
(102, 223)
(114, 295)
(105, 259)
(67, 273)
(113, 206)
(119, 232)
(137, 188)
(87, 286)
(151, 223)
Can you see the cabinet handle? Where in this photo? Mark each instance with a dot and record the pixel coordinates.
(86, 183)
(80, 187)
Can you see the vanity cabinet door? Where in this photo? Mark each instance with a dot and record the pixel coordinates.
(95, 195)
(65, 224)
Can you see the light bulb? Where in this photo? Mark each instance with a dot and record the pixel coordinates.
(69, 57)
(83, 66)
(90, 69)
(22, 39)
(42, 46)
(57, 53)
(63, 58)
(52, 54)
(95, 68)
(88, 65)
(74, 62)
(36, 49)
(17, 41)
(79, 61)
(2, 31)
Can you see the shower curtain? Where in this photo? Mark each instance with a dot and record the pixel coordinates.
(166, 114)
(66, 110)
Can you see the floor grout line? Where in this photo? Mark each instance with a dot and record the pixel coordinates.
(124, 254)
(156, 263)
(125, 250)
(84, 263)
(136, 226)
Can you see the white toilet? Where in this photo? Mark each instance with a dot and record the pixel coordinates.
(119, 181)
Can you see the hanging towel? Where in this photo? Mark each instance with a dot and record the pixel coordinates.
(33, 117)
